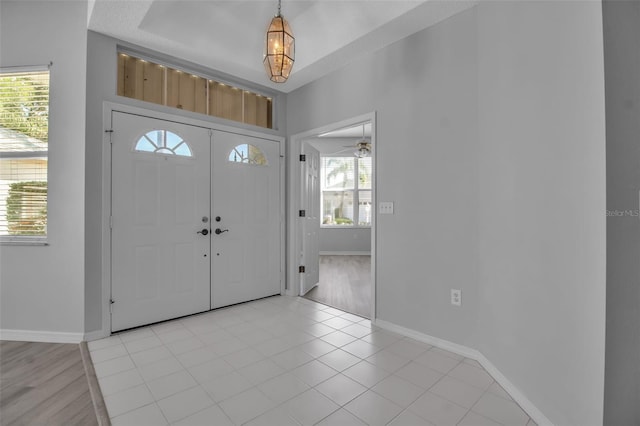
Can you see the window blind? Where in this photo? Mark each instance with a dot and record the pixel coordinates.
(24, 128)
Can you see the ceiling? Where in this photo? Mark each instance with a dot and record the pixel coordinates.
(228, 36)
(357, 131)
(342, 141)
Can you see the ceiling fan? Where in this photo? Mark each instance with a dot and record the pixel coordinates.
(363, 146)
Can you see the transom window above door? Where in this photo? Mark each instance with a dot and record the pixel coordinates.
(170, 86)
(163, 142)
(247, 154)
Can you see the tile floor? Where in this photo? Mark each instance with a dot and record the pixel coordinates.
(290, 361)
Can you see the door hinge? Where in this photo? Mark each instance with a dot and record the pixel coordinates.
(111, 302)
(110, 222)
(109, 131)
(303, 157)
(302, 213)
(301, 269)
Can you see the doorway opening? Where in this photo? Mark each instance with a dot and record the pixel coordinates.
(336, 220)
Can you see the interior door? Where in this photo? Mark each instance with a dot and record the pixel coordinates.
(160, 260)
(310, 256)
(246, 210)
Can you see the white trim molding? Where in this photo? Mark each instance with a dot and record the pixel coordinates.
(96, 335)
(476, 355)
(41, 336)
(294, 171)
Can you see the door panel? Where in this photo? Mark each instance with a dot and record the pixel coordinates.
(311, 221)
(160, 266)
(246, 193)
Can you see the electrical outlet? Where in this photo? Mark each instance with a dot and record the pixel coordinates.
(456, 297)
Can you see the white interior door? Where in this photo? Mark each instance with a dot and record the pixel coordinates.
(160, 265)
(310, 256)
(246, 210)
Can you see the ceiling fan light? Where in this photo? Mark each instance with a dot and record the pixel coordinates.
(279, 54)
(362, 152)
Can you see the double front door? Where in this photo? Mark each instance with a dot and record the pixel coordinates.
(195, 220)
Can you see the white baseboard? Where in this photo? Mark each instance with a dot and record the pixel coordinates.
(476, 355)
(95, 335)
(435, 341)
(345, 253)
(515, 393)
(41, 336)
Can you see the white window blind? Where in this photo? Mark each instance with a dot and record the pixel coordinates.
(24, 127)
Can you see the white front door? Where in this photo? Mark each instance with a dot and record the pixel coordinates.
(246, 212)
(311, 220)
(160, 264)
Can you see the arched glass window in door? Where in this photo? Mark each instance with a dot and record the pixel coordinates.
(247, 154)
(163, 142)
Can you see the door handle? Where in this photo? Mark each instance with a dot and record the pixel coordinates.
(219, 231)
(205, 231)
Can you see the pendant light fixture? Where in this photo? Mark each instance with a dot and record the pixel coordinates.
(280, 50)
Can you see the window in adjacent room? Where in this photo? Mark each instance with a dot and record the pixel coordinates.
(346, 191)
(24, 129)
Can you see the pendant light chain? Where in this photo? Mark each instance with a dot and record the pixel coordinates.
(279, 6)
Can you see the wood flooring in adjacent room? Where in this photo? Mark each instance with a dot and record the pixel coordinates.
(44, 384)
(345, 283)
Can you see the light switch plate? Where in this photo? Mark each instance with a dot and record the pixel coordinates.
(385, 207)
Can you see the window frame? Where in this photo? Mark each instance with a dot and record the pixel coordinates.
(356, 194)
(33, 155)
(162, 150)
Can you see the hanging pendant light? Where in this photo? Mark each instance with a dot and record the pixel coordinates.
(280, 50)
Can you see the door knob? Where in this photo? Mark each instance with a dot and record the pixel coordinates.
(205, 231)
(219, 231)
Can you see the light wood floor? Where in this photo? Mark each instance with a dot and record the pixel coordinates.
(345, 283)
(43, 384)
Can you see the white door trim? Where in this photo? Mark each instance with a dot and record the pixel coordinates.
(294, 171)
(107, 109)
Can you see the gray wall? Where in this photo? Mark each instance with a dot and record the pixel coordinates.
(622, 77)
(500, 127)
(101, 87)
(42, 287)
(541, 196)
(345, 240)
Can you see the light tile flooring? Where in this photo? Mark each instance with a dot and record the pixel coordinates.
(290, 361)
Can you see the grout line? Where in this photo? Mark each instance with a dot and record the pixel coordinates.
(94, 388)
(247, 318)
